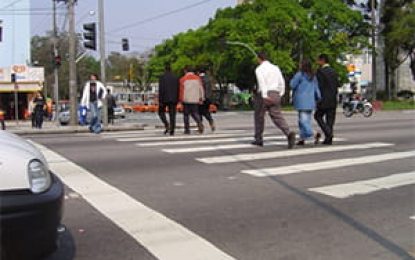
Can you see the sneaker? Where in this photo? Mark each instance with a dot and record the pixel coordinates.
(317, 138)
(212, 126)
(291, 140)
(258, 143)
(200, 128)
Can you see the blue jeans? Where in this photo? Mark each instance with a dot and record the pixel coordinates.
(95, 124)
(304, 124)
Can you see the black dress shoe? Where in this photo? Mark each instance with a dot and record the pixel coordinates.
(328, 141)
(258, 143)
(317, 138)
(301, 142)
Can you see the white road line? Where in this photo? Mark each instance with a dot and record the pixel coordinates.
(281, 154)
(217, 147)
(413, 217)
(163, 237)
(350, 189)
(331, 164)
(213, 141)
(179, 137)
(159, 133)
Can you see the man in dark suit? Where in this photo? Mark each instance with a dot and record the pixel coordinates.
(168, 98)
(328, 82)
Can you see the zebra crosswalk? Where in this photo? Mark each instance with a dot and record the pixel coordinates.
(237, 145)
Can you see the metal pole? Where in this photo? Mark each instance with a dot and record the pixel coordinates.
(55, 69)
(102, 55)
(16, 103)
(374, 81)
(72, 64)
(243, 45)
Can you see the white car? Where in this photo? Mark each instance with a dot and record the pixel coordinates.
(119, 112)
(31, 201)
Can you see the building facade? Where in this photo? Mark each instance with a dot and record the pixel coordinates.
(15, 38)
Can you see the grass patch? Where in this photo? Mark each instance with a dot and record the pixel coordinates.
(399, 105)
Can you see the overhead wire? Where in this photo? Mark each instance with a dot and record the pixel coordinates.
(162, 15)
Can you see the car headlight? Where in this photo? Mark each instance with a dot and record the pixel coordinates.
(39, 176)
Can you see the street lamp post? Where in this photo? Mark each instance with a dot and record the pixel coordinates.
(374, 81)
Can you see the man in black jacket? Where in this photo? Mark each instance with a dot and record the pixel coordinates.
(168, 98)
(328, 82)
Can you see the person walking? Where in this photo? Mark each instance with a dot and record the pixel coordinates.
(39, 109)
(168, 97)
(111, 104)
(205, 106)
(305, 94)
(93, 94)
(328, 83)
(271, 87)
(191, 95)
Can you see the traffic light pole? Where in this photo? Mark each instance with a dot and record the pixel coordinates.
(55, 69)
(72, 64)
(102, 55)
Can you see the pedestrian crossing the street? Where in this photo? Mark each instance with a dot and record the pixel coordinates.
(237, 149)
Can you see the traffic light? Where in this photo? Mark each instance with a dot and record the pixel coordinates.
(125, 45)
(90, 36)
(58, 60)
(13, 78)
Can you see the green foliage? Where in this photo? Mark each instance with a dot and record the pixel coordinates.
(286, 30)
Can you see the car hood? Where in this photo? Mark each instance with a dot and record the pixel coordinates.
(15, 155)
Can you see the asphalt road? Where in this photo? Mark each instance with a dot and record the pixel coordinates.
(140, 195)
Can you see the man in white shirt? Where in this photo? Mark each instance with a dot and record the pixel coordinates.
(271, 87)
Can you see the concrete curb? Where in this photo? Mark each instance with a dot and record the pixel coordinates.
(72, 130)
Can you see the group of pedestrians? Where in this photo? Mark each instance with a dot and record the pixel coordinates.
(311, 92)
(193, 91)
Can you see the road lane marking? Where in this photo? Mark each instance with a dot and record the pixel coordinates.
(217, 147)
(212, 141)
(159, 133)
(413, 217)
(282, 154)
(179, 137)
(346, 190)
(331, 164)
(163, 237)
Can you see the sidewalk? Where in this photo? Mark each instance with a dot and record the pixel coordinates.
(25, 128)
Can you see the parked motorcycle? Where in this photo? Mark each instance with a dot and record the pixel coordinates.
(363, 106)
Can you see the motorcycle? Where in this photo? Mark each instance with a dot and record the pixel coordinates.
(363, 106)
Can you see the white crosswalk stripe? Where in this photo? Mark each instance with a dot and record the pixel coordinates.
(347, 190)
(289, 153)
(331, 164)
(158, 133)
(206, 141)
(217, 147)
(180, 137)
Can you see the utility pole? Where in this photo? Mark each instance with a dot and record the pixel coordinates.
(72, 64)
(374, 81)
(102, 55)
(55, 69)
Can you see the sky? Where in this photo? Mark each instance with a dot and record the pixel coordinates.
(121, 13)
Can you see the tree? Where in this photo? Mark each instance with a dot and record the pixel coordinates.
(42, 55)
(286, 30)
(398, 22)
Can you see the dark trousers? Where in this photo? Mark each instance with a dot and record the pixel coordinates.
(172, 115)
(193, 110)
(110, 115)
(273, 105)
(204, 111)
(39, 118)
(325, 119)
